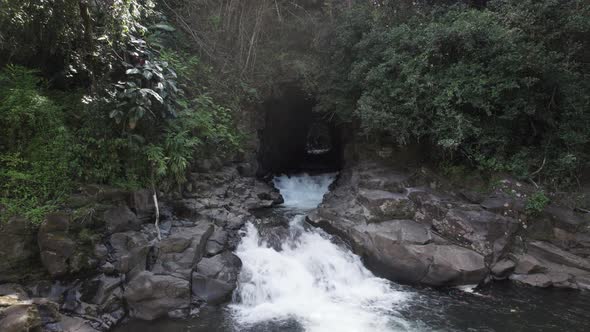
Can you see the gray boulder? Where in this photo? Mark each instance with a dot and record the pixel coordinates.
(142, 203)
(18, 249)
(121, 219)
(217, 242)
(150, 296)
(55, 244)
(130, 251)
(406, 251)
(179, 253)
(215, 278)
(385, 205)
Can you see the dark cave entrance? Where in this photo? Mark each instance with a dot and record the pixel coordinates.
(295, 139)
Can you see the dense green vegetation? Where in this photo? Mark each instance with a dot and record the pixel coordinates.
(505, 87)
(130, 93)
(102, 95)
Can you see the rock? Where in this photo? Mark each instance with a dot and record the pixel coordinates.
(536, 280)
(18, 249)
(121, 219)
(487, 233)
(552, 253)
(12, 294)
(454, 265)
(76, 324)
(502, 204)
(151, 296)
(406, 251)
(130, 250)
(216, 243)
(503, 268)
(142, 203)
(55, 244)
(566, 219)
(215, 278)
(19, 318)
(385, 205)
(180, 252)
(545, 264)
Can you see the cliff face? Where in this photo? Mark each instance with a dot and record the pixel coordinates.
(409, 229)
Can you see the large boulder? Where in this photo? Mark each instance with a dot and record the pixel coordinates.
(179, 253)
(406, 251)
(55, 244)
(216, 277)
(545, 264)
(120, 219)
(142, 203)
(130, 251)
(487, 233)
(384, 205)
(18, 249)
(150, 296)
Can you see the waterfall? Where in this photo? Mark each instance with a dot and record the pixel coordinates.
(311, 280)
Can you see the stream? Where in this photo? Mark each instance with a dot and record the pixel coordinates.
(298, 278)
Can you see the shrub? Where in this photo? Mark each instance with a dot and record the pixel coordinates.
(505, 87)
(536, 203)
(36, 150)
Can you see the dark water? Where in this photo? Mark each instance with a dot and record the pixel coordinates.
(499, 307)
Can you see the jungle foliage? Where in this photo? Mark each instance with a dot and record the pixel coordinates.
(99, 92)
(503, 86)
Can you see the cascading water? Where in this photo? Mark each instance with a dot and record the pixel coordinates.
(297, 279)
(310, 280)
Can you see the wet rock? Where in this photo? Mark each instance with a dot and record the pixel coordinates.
(536, 280)
(151, 296)
(55, 244)
(18, 249)
(215, 278)
(121, 219)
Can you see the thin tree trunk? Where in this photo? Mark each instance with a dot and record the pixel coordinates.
(157, 222)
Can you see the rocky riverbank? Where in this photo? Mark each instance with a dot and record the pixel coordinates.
(409, 231)
(100, 261)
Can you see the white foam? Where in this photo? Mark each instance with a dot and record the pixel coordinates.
(321, 285)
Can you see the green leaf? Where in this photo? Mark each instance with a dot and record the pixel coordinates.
(148, 74)
(153, 94)
(164, 26)
(132, 71)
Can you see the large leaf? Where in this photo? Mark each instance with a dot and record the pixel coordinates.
(153, 94)
(132, 71)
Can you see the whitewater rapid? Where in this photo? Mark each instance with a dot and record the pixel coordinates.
(311, 280)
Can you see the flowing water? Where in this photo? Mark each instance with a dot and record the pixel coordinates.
(298, 278)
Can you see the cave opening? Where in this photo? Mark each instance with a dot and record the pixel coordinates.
(296, 139)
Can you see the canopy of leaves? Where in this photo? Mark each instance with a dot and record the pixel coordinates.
(506, 87)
